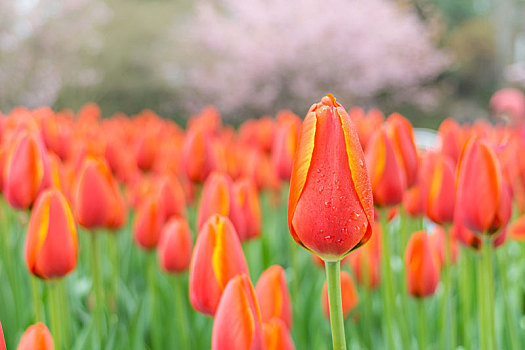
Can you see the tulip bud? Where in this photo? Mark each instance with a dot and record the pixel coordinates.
(149, 219)
(36, 337)
(437, 185)
(2, 341)
(276, 335)
(172, 196)
(450, 136)
(413, 201)
(198, 159)
(218, 198)
(26, 169)
(247, 198)
(385, 169)
(273, 295)
(367, 125)
(330, 208)
(175, 246)
(438, 241)
(51, 243)
(348, 294)
(366, 262)
(285, 145)
(422, 266)
(517, 229)
(237, 323)
(217, 257)
(401, 134)
(482, 194)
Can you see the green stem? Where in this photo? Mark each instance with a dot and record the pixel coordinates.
(509, 310)
(481, 305)
(465, 294)
(184, 333)
(152, 289)
(422, 320)
(367, 301)
(333, 279)
(65, 313)
(447, 317)
(97, 289)
(387, 283)
(35, 294)
(489, 287)
(56, 330)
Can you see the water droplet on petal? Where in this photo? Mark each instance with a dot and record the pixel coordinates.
(327, 204)
(354, 215)
(361, 163)
(329, 238)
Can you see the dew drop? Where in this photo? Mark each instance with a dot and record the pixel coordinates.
(361, 163)
(321, 188)
(354, 215)
(327, 204)
(339, 241)
(342, 197)
(357, 228)
(329, 238)
(344, 230)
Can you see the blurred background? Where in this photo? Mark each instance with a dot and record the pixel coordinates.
(428, 59)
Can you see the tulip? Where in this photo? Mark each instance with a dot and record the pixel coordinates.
(172, 196)
(348, 294)
(97, 199)
(218, 198)
(26, 169)
(285, 145)
(237, 324)
(217, 257)
(438, 241)
(365, 262)
(247, 198)
(148, 223)
(385, 169)
(437, 186)
(517, 229)
(401, 134)
(51, 244)
(273, 295)
(451, 139)
(2, 341)
(330, 209)
(367, 125)
(175, 246)
(413, 201)
(276, 335)
(36, 337)
(198, 158)
(422, 266)
(482, 195)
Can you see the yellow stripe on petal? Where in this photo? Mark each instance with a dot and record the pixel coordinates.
(44, 224)
(219, 261)
(435, 184)
(69, 217)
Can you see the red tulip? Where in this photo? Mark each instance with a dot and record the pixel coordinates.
(367, 125)
(401, 134)
(26, 169)
(330, 208)
(437, 240)
(422, 266)
(273, 295)
(218, 198)
(285, 144)
(276, 335)
(413, 201)
(36, 337)
(385, 169)
(172, 196)
(237, 324)
(217, 257)
(348, 295)
(2, 341)
(175, 246)
(437, 186)
(517, 229)
(51, 243)
(148, 223)
(366, 262)
(198, 159)
(482, 196)
(247, 198)
(451, 139)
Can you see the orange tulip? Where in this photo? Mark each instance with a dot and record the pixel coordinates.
(413, 201)
(172, 196)
(451, 139)
(273, 295)
(276, 335)
(437, 186)
(401, 134)
(482, 195)
(218, 198)
(148, 222)
(2, 341)
(97, 199)
(36, 337)
(367, 125)
(366, 262)
(422, 266)
(175, 246)
(217, 257)
(437, 241)
(517, 229)
(285, 144)
(198, 159)
(51, 243)
(348, 294)
(330, 207)
(26, 169)
(247, 198)
(385, 169)
(237, 324)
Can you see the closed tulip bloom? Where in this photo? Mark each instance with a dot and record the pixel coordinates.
(237, 324)
(2, 341)
(385, 169)
(217, 257)
(26, 169)
(173, 197)
(367, 125)
(175, 246)
(401, 134)
(451, 139)
(413, 201)
(422, 266)
(148, 223)
(438, 187)
(276, 335)
(36, 337)
(482, 194)
(273, 295)
(366, 262)
(218, 198)
(96, 196)
(51, 243)
(438, 241)
(330, 208)
(247, 198)
(348, 294)
(285, 145)
(198, 158)
(517, 229)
